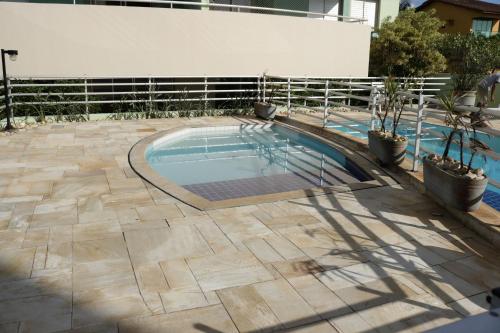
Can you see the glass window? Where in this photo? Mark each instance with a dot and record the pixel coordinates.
(482, 26)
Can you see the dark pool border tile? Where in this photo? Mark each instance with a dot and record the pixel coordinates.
(138, 163)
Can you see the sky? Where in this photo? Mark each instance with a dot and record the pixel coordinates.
(418, 2)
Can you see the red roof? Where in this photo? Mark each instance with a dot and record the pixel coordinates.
(485, 7)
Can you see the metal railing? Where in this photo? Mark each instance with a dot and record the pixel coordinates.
(326, 93)
(218, 6)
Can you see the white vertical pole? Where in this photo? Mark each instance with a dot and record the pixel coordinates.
(205, 96)
(264, 89)
(11, 99)
(150, 96)
(374, 101)
(350, 92)
(87, 113)
(288, 102)
(418, 130)
(325, 110)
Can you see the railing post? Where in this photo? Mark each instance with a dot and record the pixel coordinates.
(374, 102)
(418, 130)
(350, 92)
(205, 95)
(87, 113)
(325, 110)
(11, 100)
(288, 101)
(150, 95)
(305, 91)
(264, 89)
(258, 89)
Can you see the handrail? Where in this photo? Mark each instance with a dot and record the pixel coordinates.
(238, 8)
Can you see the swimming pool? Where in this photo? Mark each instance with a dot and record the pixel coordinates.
(230, 162)
(432, 141)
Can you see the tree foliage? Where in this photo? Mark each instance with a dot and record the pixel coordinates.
(470, 57)
(408, 46)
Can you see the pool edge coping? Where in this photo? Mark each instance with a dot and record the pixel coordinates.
(137, 161)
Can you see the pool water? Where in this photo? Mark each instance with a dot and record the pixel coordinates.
(221, 163)
(432, 140)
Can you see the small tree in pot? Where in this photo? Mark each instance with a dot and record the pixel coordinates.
(454, 182)
(388, 146)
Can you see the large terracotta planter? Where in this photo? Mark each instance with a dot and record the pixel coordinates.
(459, 192)
(388, 152)
(265, 111)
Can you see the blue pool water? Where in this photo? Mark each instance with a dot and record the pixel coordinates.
(432, 141)
(229, 162)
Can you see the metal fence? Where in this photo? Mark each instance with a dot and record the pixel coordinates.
(323, 95)
(242, 6)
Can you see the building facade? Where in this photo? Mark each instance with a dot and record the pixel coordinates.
(464, 16)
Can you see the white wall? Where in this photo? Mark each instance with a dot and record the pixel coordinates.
(83, 40)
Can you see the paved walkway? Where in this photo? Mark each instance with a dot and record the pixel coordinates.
(86, 246)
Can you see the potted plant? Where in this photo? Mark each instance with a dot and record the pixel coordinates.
(388, 146)
(455, 183)
(266, 110)
(469, 57)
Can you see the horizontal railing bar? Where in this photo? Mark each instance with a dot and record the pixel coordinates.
(239, 7)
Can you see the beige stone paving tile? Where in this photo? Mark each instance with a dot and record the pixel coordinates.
(190, 211)
(317, 327)
(288, 221)
(61, 234)
(471, 305)
(178, 300)
(154, 245)
(334, 261)
(215, 238)
(152, 283)
(91, 210)
(21, 215)
(128, 171)
(236, 277)
(211, 318)
(53, 219)
(417, 314)
(102, 274)
(36, 237)
(158, 212)
(262, 250)
(126, 199)
(179, 275)
(99, 250)
(36, 175)
(351, 276)
(234, 212)
(100, 328)
(240, 228)
(145, 224)
(40, 313)
(192, 220)
(129, 184)
(446, 247)
(297, 267)
(44, 285)
(407, 256)
(248, 310)
(92, 231)
(12, 238)
(288, 306)
(284, 247)
(475, 271)
(59, 255)
(127, 215)
(80, 187)
(52, 323)
(108, 309)
(324, 302)
(442, 284)
(40, 258)
(224, 261)
(16, 264)
(377, 292)
(352, 323)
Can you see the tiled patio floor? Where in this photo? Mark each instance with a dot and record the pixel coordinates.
(85, 245)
